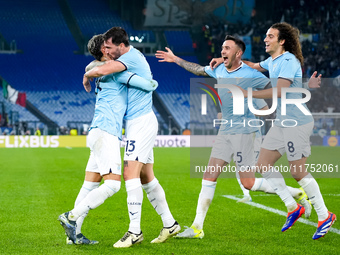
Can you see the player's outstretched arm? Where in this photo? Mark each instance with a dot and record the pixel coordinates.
(144, 84)
(256, 66)
(166, 56)
(169, 56)
(136, 81)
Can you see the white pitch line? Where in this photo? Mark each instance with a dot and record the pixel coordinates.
(269, 209)
(267, 195)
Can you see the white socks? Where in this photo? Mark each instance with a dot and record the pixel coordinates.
(309, 185)
(156, 196)
(295, 192)
(262, 184)
(204, 201)
(312, 190)
(85, 189)
(134, 202)
(95, 198)
(276, 181)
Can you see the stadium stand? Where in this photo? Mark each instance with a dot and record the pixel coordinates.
(24, 115)
(55, 87)
(64, 106)
(95, 18)
(180, 41)
(48, 69)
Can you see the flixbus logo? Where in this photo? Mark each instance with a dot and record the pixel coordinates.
(29, 141)
(204, 98)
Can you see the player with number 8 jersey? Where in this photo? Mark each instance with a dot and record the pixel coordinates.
(284, 65)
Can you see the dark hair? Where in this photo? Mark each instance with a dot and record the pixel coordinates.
(118, 36)
(237, 41)
(291, 36)
(94, 46)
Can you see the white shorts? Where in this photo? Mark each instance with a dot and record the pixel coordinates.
(105, 152)
(239, 147)
(293, 141)
(141, 135)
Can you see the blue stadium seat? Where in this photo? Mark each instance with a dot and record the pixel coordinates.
(50, 72)
(64, 106)
(179, 41)
(101, 18)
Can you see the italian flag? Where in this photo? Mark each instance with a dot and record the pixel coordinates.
(12, 95)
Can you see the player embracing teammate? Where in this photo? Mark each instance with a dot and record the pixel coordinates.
(141, 131)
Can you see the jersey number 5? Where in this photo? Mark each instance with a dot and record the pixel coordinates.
(239, 155)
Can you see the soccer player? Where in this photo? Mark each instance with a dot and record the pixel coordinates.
(141, 131)
(284, 64)
(260, 184)
(103, 140)
(259, 104)
(231, 141)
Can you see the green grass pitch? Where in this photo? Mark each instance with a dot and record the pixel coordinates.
(36, 185)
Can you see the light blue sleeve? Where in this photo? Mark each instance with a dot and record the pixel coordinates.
(134, 80)
(211, 73)
(265, 63)
(259, 80)
(123, 77)
(288, 68)
(259, 103)
(141, 83)
(135, 62)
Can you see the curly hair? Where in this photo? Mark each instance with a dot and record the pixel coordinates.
(94, 46)
(291, 36)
